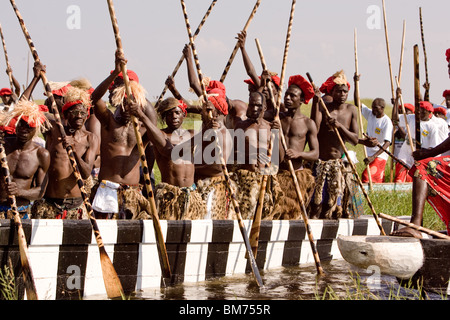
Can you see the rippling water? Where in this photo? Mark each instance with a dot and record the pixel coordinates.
(290, 283)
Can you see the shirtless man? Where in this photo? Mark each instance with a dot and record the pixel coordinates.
(63, 199)
(331, 191)
(209, 176)
(27, 161)
(255, 83)
(119, 155)
(236, 108)
(176, 196)
(249, 170)
(299, 131)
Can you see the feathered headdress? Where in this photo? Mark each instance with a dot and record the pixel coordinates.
(28, 111)
(76, 95)
(138, 92)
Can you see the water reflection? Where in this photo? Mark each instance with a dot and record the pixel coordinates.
(291, 283)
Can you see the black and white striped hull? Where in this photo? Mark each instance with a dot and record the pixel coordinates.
(65, 261)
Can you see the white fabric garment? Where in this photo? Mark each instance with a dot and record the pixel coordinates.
(105, 199)
(380, 128)
(432, 133)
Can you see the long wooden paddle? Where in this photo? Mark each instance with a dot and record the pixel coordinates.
(253, 264)
(352, 165)
(358, 105)
(165, 266)
(236, 47)
(391, 79)
(27, 272)
(110, 278)
(8, 67)
(303, 213)
(180, 62)
(414, 226)
(426, 96)
(417, 96)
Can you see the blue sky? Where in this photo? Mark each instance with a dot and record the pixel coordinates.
(153, 34)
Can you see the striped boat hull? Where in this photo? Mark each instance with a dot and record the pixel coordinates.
(66, 265)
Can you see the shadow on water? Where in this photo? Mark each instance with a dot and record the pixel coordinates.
(292, 283)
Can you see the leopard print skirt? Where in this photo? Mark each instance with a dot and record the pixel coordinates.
(214, 193)
(175, 203)
(289, 204)
(249, 184)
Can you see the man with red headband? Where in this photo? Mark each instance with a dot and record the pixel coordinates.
(335, 187)
(63, 199)
(236, 108)
(299, 131)
(379, 126)
(255, 83)
(251, 140)
(119, 174)
(400, 135)
(176, 196)
(433, 131)
(28, 162)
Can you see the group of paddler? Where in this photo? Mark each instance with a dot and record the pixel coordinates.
(79, 157)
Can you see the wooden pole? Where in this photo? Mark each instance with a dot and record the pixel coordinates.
(27, 272)
(393, 157)
(359, 106)
(162, 251)
(391, 78)
(414, 226)
(408, 131)
(11, 84)
(255, 230)
(236, 47)
(180, 61)
(110, 278)
(253, 264)
(426, 96)
(417, 96)
(336, 131)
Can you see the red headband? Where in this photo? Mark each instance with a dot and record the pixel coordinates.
(446, 93)
(409, 106)
(426, 105)
(441, 110)
(275, 80)
(329, 84)
(5, 92)
(183, 106)
(219, 101)
(304, 85)
(70, 104)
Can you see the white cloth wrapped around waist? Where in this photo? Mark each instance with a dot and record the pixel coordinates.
(105, 199)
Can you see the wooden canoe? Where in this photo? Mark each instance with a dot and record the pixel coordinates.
(66, 265)
(423, 262)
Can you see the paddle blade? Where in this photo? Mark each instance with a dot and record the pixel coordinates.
(110, 278)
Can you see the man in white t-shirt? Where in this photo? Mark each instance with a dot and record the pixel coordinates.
(433, 131)
(8, 98)
(379, 126)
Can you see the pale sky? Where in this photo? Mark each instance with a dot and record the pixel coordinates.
(154, 33)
